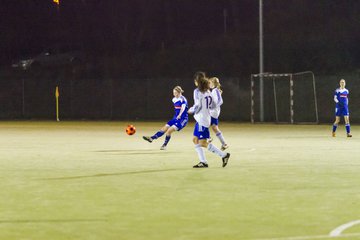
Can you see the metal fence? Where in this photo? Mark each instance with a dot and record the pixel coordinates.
(142, 99)
(111, 98)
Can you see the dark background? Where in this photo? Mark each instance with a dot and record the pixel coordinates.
(137, 48)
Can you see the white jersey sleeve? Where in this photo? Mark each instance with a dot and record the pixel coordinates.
(196, 101)
(217, 102)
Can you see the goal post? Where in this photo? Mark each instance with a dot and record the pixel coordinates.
(288, 98)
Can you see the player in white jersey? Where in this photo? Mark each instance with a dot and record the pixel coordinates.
(341, 108)
(216, 92)
(203, 101)
(177, 123)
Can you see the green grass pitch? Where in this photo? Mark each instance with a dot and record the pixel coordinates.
(89, 180)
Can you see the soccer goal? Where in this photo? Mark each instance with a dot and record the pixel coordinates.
(286, 98)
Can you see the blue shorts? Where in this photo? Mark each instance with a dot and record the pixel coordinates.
(214, 121)
(178, 123)
(341, 111)
(201, 132)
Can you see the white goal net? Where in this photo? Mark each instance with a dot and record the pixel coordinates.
(284, 98)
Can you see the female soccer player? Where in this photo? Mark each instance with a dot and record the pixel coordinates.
(202, 103)
(342, 107)
(178, 122)
(216, 92)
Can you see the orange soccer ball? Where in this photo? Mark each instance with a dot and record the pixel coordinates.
(130, 130)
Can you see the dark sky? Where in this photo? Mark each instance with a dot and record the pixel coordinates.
(32, 24)
(300, 28)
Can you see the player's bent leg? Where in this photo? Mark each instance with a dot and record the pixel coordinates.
(222, 140)
(203, 143)
(212, 148)
(169, 131)
(225, 159)
(157, 135)
(147, 138)
(220, 136)
(224, 156)
(165, 128)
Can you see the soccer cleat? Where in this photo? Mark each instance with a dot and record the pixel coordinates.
(226, 159)
(209, 140)
(163, 147)
(201, 165)
(223, 147)
(333, 134)
(349, 135)
(149, 139)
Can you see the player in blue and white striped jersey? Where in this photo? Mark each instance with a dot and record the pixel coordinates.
(342, 107)
(203, 102)
(216, 92)
(177, 123)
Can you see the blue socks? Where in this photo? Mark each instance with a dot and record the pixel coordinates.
(167, 139)
(347, 126)
(335, 127)
(157, 135)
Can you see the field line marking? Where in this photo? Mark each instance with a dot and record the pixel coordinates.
(313, 237)
(251, 150)
(337, 231)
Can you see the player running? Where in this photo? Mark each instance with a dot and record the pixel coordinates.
(342, 108)
(216, 92)
(178, 122)
(203, 101)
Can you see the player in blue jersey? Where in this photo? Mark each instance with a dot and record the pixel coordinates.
(203, 102)
(341, 108)
(216, 92)
(178, 122)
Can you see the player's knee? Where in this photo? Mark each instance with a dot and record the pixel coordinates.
(203, 143)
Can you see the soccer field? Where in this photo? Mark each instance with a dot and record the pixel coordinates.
(89, 180)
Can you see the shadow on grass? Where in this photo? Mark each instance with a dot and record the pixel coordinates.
(50, 220)
(134, 152)
(118, 174)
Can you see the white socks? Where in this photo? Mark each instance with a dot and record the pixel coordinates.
(221, 138)
(215, 150)
(211, 148)
(200, 153)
